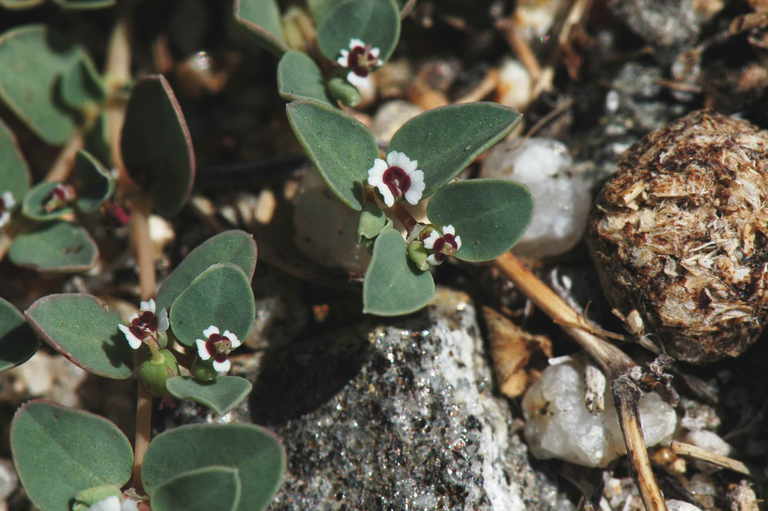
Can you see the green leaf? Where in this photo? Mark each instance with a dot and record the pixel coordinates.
(33, 59)
(490, 215)
(237, 247)
(447, 139)
(156, 146)
(341, 148)
(219, 296)
(202, 489)
(253, 451)
(392, 286)
(55, 247)
(14, 172)
(93, 182)
(34, 203)
(79, 328)
(221, 395)
(59, 452)
(319, 8)
(85, 4)
(96, 140)
(17, 340)
(81, 86)
(298, 77)
(261, 20)
(20, 4)
(375, 22)
(372, 221)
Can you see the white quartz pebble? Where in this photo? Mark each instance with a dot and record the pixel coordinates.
(562, 197)
(558, 424)
(679, 505)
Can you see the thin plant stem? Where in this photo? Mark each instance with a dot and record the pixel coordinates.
(694, 451)
(617, 365)
(118, 73)
(62, 167)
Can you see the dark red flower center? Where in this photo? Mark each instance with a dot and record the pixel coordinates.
(397, 180)
(144, 325)
(445, 245)
(360, 60)
(218, 346)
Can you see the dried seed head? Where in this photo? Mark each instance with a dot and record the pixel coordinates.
(680, 233)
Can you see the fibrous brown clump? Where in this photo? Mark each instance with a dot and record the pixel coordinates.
(680, 234)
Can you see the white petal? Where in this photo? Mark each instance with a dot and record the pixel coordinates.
(457, 239)
(379, 63)
(149, 305)
(393, 158)
(375, 52)
(4, 218)
(414, 193)
(433, 260)
(210, 331)
(354, 43)
(162, 320)
(429, 241)
(129, 505)
(202, 349)
(386, 194)
(376, 173)
(448, 229)
(133, 341)
(361, 82)
(342, 61)
(8, 201)
(222, 367)
(109, 504)
(234, 342)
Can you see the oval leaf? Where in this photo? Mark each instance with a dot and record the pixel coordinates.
(79, 450)
(375, 22)
(20, 4)
(220, 296)
(254, 452)
(35, 201)
(447, 139)
(221, 395)
(298, 77)
(392, 286)
(490, 215)
(79, 328)
(55, 247)
(236, 247)
(202, 489)
(81, 87)
(261, 20)
(85, 4)
(14, 171)
(33, 59)
(156, 146)
(93, 182)
(341, 148)
(17, 340)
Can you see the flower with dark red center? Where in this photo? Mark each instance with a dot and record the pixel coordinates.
(145, 324)
(360, 59)
(397, 177)
(7, 202)
(217, 346)
(441, 244)
(61, 195)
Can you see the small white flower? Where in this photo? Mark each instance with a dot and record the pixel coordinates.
(442, 243)
(144, 323)
(217, 346)
(397, 177)
(360, 59)
(7, 202)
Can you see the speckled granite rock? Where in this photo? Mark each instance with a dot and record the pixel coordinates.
(398, 417)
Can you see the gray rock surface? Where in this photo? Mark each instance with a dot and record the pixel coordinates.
(398, 416)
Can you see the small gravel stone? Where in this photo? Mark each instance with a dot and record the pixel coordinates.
(561, 196)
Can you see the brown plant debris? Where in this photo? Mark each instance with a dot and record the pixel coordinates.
(679, 234)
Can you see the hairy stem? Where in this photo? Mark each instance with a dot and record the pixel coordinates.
(616, 364)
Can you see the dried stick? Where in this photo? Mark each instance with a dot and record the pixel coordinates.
(617, 365)
(693, 451)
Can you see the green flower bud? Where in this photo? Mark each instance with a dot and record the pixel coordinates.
(154, 372)
(203, 371)
(418, 255)
(343, 91)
